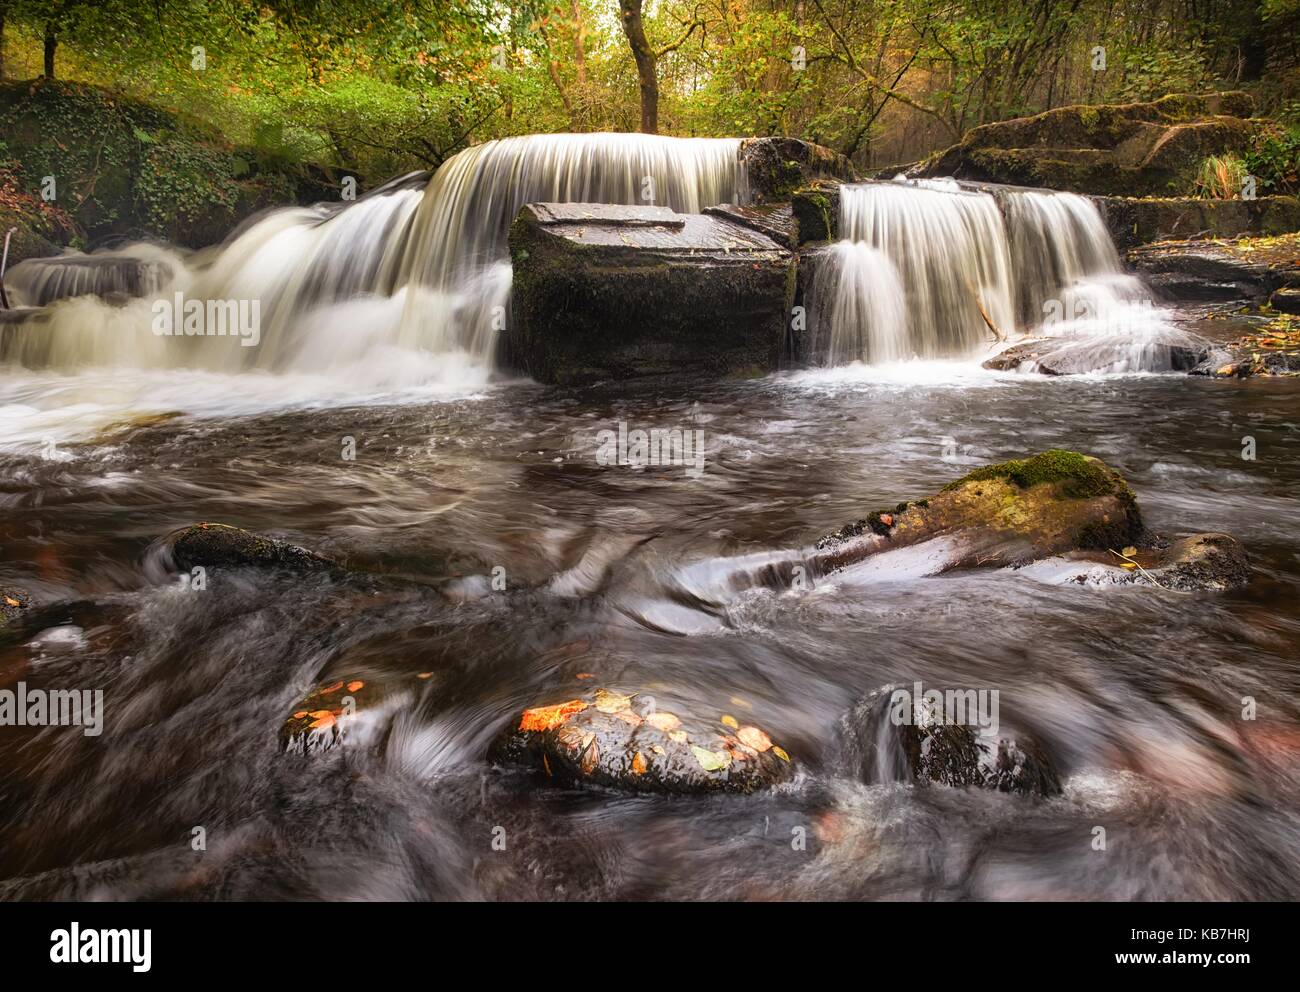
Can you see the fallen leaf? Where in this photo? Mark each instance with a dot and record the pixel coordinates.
(425, 675)
(12, 602)
(678, 736)
(663, 721)
(321, 718)
(590, 758)
(1129, 552)
(737, 701)
(754, 738)
(354, 686)
(658, 749)
(611, 702)
(300, 714)
(544, 718)
(780, 753)
(710, 761)
(638, 764)
(333, 688)
(585, 675)
(627, 716)
(730, 721)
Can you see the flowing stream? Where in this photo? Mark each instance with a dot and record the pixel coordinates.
(111, 436)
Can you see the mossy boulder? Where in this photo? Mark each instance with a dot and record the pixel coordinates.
(211, 545)
(775, 167)
(1134, 221)
(1139, 149)
(1005, 514)
(605, 737)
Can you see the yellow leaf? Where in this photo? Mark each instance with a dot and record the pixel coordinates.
(12, 602)
(658, 749)
(678, 736)
(1129, 552)
(730, 721)
(663, 721)
(780, 753)
(755, 738)
(611, 702)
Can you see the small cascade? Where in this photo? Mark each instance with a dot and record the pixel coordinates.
(414, 274)
(929, 269)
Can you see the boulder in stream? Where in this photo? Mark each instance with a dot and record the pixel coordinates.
(346, 710)
(1199, 562)
(776, 166)
(1065, 355)
(891, 737)
(213, 545)
(1006, 514)
(600, 737)
(615, 292)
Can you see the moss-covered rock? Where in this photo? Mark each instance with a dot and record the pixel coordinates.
(1134, 222)
(816, 210)
(1138, 149)
(602, 737)
(219, 545)
(1005, 514)
(776, 167)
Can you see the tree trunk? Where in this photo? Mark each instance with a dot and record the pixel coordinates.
(645, 64)
(51, 42)
(3, 8)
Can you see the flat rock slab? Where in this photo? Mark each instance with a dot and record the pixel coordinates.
(614, 292)
(1247, 268)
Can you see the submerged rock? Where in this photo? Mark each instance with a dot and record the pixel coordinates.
(13, 603)
(41, 281)
(1005, 514)
(343, 711)
(888, 739)
(1081, 355)
(218, 545)
(614, 292)
(599, 738)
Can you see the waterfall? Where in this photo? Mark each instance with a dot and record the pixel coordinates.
(925, 266)
(416, 271)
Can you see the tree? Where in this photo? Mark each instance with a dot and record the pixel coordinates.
(647, 57)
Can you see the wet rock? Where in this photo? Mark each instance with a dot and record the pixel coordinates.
(601, 738)
(220, 545)
(1138, 149)
(888, 738)
(1078, 356)
(13, 604)
(1286, 300)
(615, 292)
(1192, 270)
(774, 220)
(775, 167)
(41, 281)
(1005, 514)
(1135, 221)
(347, 710)
(816, 209)
(1200, 562)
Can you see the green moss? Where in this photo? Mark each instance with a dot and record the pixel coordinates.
(1083, 478)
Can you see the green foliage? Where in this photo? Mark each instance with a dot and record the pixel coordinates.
(1275, 160)
(1220, 177)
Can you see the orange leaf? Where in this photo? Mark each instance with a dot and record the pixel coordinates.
(12, 602)
(300, 714)
(638, 764)
(755, 738)
(354, 686)
(333, 688)
(321, 718)
(544, 718)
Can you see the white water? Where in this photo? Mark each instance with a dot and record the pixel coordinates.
(924, 268)
(408, 284)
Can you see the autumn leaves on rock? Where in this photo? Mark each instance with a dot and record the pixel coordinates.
(603, 737)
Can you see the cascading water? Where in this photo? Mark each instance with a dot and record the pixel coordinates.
(408, 277)
(929, 269)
